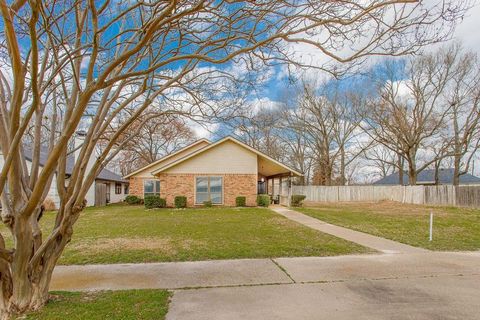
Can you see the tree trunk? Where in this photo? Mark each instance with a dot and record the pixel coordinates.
(437, 175)
(456, 170)
(25, 276)
(412, 167)
(342, 167)
(400, 170)
(412, 173)
(328, 173)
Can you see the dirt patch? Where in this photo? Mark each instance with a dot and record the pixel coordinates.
(282, 222)
(163, 244)
(126, 244)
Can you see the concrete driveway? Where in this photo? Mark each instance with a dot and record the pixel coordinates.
(407, 286)
(450, 297)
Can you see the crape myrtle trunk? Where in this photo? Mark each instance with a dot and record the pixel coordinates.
(26, 272)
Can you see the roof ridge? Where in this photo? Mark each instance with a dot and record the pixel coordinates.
(167, 157)
(225, 138)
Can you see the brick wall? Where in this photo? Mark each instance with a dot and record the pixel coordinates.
(136, 186)
(172, 185)
(235, 185)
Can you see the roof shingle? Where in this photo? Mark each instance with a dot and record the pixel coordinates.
(105, 174)
(428, 176)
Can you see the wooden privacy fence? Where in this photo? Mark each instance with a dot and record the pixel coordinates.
(431, 195)
(100, 194)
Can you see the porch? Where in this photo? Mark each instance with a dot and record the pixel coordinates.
(275, 179)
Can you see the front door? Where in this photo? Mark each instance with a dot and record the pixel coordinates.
(261, 187)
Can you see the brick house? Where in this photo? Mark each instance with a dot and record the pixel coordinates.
(217, 172)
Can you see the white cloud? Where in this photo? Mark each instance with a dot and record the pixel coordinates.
(202, 131)
(467, 31)
(264, 104)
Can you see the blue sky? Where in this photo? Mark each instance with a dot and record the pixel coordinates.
(273, 91)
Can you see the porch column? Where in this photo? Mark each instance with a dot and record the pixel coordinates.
(289, 189)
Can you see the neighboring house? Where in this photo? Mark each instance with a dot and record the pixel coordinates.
(110, 186)
(217, 172)
(427, 177)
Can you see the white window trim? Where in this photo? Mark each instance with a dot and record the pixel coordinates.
(208, 176)
(154, 187)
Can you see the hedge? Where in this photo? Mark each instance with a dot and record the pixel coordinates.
(207, 204)
(263, 200)
(131, 199)
(241, 201)
(297, 199)
(154, 202)
(180, 202)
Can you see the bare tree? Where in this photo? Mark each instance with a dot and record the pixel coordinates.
(347, 115)
(382, 160)
(155, 138)
(463, 95)
(329, 119)
(412, 113)
(293, 138)
(318, 127)
(258, 128)
(114, 60)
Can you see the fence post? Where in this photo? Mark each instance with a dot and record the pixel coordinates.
(430, 238)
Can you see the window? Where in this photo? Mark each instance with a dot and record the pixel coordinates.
(125, 188)
(151, 188)
(118, 188)
(209, 189)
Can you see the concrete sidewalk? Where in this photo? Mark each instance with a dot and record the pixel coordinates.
(168, 275)
(252, 272)
(364, 239)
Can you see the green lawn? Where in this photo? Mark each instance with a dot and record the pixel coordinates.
(454, 228)
(125, 305)
(131, 234)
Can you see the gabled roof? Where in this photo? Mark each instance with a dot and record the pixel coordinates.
(213, 145)
(159, 161)
(108, 175)
(105, 174)
(428, 176)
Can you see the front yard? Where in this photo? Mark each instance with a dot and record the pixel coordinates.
(131, 234)
(453, 229)
(125, 305)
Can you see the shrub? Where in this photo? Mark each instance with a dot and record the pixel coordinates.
(240, 201)
(207, 204)
(180, 202)
(296, 200)
(263, 200)
(163, 203)
(131, 199)
(154, 202)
